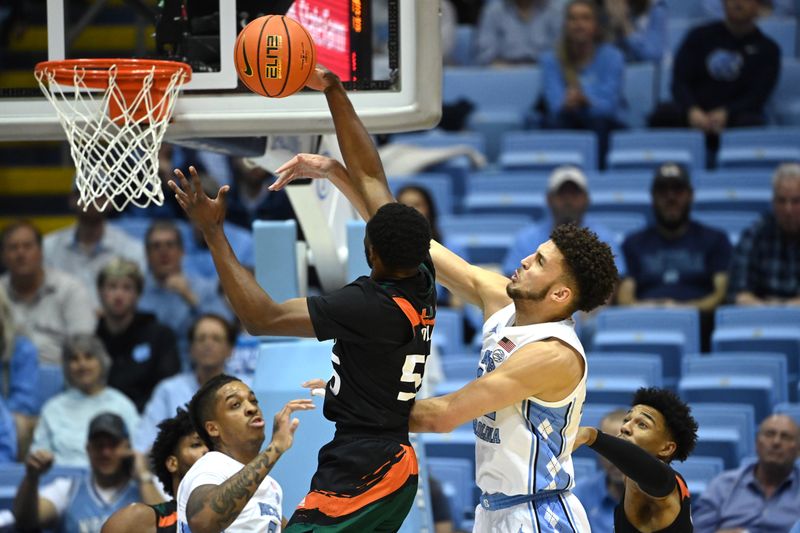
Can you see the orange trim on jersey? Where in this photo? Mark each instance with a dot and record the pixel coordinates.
(413, 316)
(336, 505)
(169, 520)
(683, 488)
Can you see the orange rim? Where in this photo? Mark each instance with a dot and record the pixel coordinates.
(130, 72)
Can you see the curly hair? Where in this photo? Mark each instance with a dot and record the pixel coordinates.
(678, 416)
(170, 432)
(589, 262)
(400, 235)
(201, 406)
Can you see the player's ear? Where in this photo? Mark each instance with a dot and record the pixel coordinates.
(172, 464)
(561, 293)
(212, 428)
(668, 450)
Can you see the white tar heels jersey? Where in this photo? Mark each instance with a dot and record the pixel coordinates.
(525, 448)
(262, 512)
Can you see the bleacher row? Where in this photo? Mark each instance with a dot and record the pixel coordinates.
(751, 372)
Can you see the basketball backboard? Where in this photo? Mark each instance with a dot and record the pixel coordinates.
(388, 51)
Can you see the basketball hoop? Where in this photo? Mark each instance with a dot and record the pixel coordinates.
(115, 113)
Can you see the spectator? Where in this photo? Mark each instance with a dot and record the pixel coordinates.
(766, 8)
(516, 31)
(8, 435)
(568, 201)
(19, 375)
(65, 417)
(602, 492)
(212, 339)
(50, 304)
(174, 297)
(420, 199)
(638, 27)
(198, 261)
(723, 75)
(582, 77)
(249, 199)
(143, 351)
(116, 478)
(676, 261)
(84, 248)
(766, 263)
(758, 496)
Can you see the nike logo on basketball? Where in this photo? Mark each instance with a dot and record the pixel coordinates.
(247, 70)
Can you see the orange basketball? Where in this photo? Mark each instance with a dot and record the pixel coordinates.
(274, 56)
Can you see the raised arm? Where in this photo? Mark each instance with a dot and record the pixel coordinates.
(212, 508)
(363, 181)
(548, 370)
(258, 312)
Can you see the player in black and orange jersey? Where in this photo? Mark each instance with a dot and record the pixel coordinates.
(657, 429)
(367, 476)
(175, 449)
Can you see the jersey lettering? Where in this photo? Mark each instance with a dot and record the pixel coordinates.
(487, 365)
(409, 375)
(486, 433)
(336, 381)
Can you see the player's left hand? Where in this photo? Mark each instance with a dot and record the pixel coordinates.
(586, 435)
(301, 166)
(207, 213)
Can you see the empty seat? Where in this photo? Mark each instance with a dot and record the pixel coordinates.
(698, 471)
(758, 147)
(584, 467)
(508, 192)
(784, 104)
(457, 478)
(639, 93)
(460, 366)
(759, 380)
(782, 30)
(613, 379)
(481, 238)
(621, 192)
(732, 223)
(648, 148)
(677, 28)
(666, 332)
(620, 224)
(463, 53)
(726, 430)
(448, 332)
(547, 150)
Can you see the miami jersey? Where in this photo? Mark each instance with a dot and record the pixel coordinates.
(525, 449)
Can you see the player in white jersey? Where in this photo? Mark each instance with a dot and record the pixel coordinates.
(527, 403)
(229, 487)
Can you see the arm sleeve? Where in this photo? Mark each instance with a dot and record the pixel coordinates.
(24, 378)
(762, 83)
(605, 93)
(653, 476)
(554, 87)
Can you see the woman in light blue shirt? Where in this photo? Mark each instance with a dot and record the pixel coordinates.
(582, 77)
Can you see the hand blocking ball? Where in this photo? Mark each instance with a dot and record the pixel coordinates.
(274, 56)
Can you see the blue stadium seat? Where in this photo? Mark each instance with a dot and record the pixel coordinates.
(639, 93)
(545, 150)
(275, 244)
(698, 471)
(509, 192)
(745, 189)
(459, 444)
(51, 382)
(460, 366)
(625, 192)
(356, 261)
(667, 332)
(646, 149)
(439, 185)
(503, 98)
(448, 333)
(759, 380)
(782, 30)
(677, 28)
(791, 409)
(584, 467)
(621, 224)
(784, 104)
(725, 430)
(760, 329)
(481, 238)
(665, 79)
(458, 484)
(613, 379)
(687, 9)
(733, 223)
(758, 147)
(591, 416)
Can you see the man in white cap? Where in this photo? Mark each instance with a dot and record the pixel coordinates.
(568, 201)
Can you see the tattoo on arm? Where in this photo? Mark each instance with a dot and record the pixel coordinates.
(227, 500)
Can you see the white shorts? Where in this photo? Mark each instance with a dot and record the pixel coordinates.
(558, 514)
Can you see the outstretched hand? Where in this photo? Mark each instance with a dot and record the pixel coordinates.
(301, 166)
(321, 79)
(283, 426)
(586, 435)
(207, 213)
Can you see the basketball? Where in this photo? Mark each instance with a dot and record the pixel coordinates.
(274, 56)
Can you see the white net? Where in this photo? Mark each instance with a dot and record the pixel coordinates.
(114, 130)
